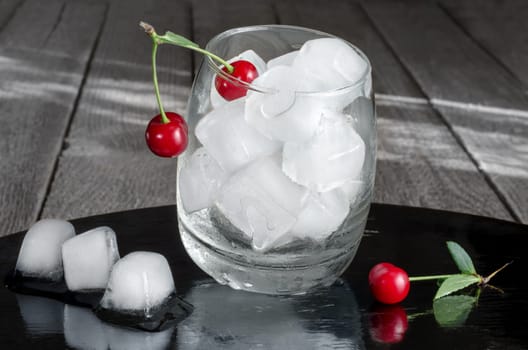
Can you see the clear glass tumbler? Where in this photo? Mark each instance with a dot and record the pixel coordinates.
(275, 187)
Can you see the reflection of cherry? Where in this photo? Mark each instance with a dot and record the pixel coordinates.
(242, 70)
(387, 323)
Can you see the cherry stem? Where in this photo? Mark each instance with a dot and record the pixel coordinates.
(432, 277)
(164, 118)
(485, 280)
(178, 40)
(223, 62)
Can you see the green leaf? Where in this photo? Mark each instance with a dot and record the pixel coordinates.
(461, 258)
(175, 39)
(457, 282)
(453, 310)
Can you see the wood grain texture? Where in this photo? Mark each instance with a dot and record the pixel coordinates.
(419, 161)
(449, 67)
(500, 27)
(106, 165)
(7, 10)
(38, 87)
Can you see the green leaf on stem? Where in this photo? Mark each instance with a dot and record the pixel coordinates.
(461, 258)
(175, 39)
(453, 310)
(455, 283)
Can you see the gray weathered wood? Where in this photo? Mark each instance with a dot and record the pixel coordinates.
(106, 165)
(449, 67)
(419, 161)
(501, 27)
(38, 87)
(7, 9)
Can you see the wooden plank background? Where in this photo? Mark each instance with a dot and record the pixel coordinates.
(76, 94)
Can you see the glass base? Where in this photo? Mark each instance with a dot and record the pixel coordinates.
(288, 280)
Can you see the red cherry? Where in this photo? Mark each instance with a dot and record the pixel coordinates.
(167, 139)
(244, 71)
(387, 323)
(389, 284)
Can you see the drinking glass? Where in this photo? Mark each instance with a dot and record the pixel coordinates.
(276, 205)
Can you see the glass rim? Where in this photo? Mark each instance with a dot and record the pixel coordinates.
(253, 87)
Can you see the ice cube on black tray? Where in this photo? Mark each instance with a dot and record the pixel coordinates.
(141, 294)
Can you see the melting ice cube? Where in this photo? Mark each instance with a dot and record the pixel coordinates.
(230, 140)
(199, 181)
(283, 60)
(249, 55)
(88, 259)
(331, 158)
(40, 254)
(332, 61)
(139, 283)
(282, 113)
(322, 214)
(262, 202)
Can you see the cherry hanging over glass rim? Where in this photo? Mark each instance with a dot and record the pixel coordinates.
(275, 186)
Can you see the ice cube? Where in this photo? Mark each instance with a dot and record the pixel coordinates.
(139, 283)
(332, 61)
(331, 158)
(42, 316)
(248, 55)
(88, 259)
(199, 181)
(262, 202)
(283, 60)
(284, 112)
(40, 253)
(322, 214)
(230, 140)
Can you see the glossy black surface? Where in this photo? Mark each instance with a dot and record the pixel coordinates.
(339, 317)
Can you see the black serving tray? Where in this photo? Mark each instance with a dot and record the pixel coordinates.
(343, 316)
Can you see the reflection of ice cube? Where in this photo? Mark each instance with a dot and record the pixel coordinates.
(283, 113)
(199, 181)
(41, 315)
(332, 157)
(249, 55)
(230, 140)
(83, 330)
(262, 202)
(126, 339)
(322, 215)
(40, 253)
(88, 259)
(332, 61)
(283, 60)
(139, 282)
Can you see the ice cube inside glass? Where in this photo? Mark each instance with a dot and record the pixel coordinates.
(297, 159)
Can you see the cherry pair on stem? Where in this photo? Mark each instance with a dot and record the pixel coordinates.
(167, 132)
